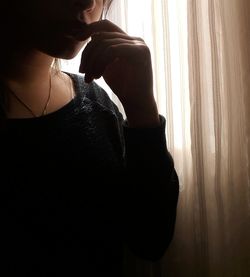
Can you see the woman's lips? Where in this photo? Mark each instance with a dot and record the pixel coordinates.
(77, 31)
(91, 7)
(85, 8)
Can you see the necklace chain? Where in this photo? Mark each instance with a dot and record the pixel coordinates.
(44, 111)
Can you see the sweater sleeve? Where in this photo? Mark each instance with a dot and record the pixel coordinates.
(151, 191)
(150, 185)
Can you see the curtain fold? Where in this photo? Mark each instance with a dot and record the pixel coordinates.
(219, 101)
(244, 35)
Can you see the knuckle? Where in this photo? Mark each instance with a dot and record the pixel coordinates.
(96, 36)
(146, 50)
(139, 39)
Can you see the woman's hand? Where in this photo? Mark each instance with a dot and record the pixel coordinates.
(125, 64)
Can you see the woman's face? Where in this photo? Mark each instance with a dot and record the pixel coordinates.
(51, 25)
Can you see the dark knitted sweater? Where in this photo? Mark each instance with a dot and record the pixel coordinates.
(78, 185)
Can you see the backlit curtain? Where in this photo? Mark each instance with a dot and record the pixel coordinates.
(213, 227)
(201, 60)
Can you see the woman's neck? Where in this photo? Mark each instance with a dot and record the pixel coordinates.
(30, 69)
(36, 85)
(28, 84)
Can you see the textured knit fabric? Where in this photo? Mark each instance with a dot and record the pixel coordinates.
(77, 185)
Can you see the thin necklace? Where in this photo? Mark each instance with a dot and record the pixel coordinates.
(71, 87)
(44, 112)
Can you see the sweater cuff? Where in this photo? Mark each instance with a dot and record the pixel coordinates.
(139, 137)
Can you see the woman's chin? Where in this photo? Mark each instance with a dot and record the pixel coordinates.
(65, 49)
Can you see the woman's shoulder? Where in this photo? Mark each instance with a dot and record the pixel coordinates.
(93, 92)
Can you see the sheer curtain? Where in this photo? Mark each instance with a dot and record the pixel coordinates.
(215, 204)
(201, 59)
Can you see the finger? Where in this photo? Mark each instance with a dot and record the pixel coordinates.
(101, 40)
(97, 27)
(94, 52)
(109, 35)
(122, 51)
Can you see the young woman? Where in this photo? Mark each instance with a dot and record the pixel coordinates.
(79, 184)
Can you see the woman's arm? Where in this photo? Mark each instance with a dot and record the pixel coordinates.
(151, 185)
(151, 190)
